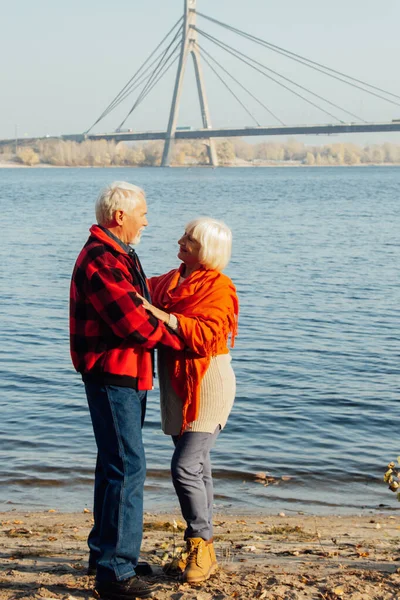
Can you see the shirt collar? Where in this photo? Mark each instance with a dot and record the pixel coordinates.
(125, 247)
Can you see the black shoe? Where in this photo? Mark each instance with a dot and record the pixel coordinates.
(125, 590)
(142, 569)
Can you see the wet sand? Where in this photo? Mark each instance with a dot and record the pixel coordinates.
(44, 555)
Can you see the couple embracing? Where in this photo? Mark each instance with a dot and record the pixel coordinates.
(117, 318)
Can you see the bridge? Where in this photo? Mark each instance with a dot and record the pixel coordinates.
(201, 134)
(181, 42)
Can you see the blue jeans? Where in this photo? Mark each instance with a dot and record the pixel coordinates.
(117, 417)
(192, 479)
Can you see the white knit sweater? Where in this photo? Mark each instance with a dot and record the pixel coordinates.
(217, 393)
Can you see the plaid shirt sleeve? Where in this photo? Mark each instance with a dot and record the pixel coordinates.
(114, 298)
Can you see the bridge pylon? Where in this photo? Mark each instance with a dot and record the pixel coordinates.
(188, 46)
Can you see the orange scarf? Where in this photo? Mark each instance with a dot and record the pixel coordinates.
(207, 308)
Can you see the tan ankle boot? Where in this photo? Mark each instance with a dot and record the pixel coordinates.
(198, 566)
(213, 558)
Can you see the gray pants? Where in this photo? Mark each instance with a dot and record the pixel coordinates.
(192, 479)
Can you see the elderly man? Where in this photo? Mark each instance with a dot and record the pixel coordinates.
(112, 336)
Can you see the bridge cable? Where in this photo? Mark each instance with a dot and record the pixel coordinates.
(134, 85)
(203, 50)
(132, 88)
(159, 65)
(307, 61)
(163, 61)
(290, 81)
(149, 84)
(136, 74)
(236, 53)
(230, 90)
(128, 87)
(143, 78)
(148, 87)
(158, 79)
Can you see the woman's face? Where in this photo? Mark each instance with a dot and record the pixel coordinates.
(189, 249)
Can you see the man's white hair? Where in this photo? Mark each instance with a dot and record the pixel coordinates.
(215, 239)
(120, 195)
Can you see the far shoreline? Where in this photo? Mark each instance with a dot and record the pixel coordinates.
(266, 165)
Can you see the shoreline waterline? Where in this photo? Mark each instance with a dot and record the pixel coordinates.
(15, 165)
(231, 496)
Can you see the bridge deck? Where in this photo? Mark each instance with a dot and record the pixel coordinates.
(249, 131)
(194, 134)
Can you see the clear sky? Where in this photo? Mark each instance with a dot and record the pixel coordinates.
(63, 62)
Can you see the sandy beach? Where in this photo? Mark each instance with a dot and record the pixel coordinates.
(44, 555)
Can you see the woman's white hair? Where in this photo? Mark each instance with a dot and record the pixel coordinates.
(215, 239)
(120, 195)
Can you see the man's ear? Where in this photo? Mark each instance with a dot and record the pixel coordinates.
(119, 216)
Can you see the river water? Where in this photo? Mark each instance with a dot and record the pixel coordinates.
(316, 263)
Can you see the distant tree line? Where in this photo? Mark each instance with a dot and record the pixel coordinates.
(231, 152)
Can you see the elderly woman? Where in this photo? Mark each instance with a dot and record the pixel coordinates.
(197, 385)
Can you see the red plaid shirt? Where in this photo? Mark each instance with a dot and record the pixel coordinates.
(111, 334)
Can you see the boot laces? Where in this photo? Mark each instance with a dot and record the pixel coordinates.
(195, 553)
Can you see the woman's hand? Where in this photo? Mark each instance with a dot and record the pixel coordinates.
(146, 303)
(159, 314)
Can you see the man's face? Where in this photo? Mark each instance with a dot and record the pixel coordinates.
(133, 223)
